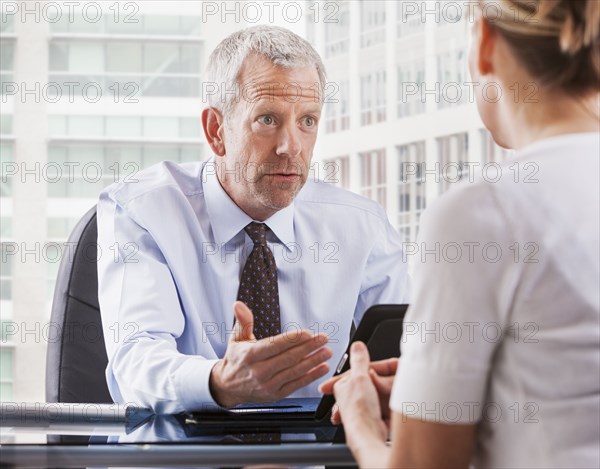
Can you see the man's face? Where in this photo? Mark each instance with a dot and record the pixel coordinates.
(269, 136)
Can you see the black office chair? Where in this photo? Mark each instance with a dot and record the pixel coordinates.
(76, 353)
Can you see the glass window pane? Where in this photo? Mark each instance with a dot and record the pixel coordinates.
(6, 393)
(123, 126)
(58, 57)
(117, 158)
(86, 125)
(190, 127)
(57, 125)
(160, 58)
(7, 49)
(190, 58)
(5, 154)
(5, 124)
(153, 155)
(123, 57)
(5, 227)
(190, 25)
(7, 258)
(62, 25)
(88, 23)
(161, 24)
(161, 127)
(190, 154)
(5, 289)
(57, 153)
(7, 22)
(87, 154)
(172, 86)
(127, 22)
(6, 365)
(86, 57)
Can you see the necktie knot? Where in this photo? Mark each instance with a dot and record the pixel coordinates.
(257, 233)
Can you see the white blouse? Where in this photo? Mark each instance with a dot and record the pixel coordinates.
(504, 327)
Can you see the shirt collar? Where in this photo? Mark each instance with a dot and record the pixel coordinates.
(227, 219)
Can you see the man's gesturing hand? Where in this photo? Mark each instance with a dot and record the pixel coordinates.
(269, 369)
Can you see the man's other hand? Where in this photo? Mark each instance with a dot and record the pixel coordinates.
(269, 369)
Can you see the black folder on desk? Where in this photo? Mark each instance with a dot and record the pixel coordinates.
(290, 419)
(278, 413)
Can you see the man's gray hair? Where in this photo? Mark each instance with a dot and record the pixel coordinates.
(279, 45)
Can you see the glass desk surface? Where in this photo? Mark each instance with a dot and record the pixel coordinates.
(72, 435)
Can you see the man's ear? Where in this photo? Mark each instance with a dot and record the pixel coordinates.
(486, 48)
(212, 123)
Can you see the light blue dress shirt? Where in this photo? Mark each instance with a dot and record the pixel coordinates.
(172, 247)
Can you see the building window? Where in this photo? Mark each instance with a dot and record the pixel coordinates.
(411, 188)
(451, 12)
(337, 33)
(60, 228)
(81, 170)
(127, 21)
(6, 373)
(6, 177)
(372, 23)
(7, 251)
(7, 51)
(5, 124)
(5, 227)
(410, 20)
(373, 98)
(491, 152)
(453, 153)
(411, 84)
(373, 183)
(126, 69)
(338, 109)
(125, 126)
(452, 78)
(337, 171)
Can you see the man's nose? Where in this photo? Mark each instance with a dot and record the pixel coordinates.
(289, 143)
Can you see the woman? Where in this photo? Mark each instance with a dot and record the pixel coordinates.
(503, 369)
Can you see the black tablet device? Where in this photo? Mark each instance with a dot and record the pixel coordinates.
(381, 330)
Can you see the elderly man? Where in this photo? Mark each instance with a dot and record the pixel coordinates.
(303, 259)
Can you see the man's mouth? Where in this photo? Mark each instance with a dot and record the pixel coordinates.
(285, 175)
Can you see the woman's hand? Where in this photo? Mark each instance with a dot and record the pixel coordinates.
(359, 409)
(382, 374)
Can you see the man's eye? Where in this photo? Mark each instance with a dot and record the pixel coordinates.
(309, 121)
(267, 120)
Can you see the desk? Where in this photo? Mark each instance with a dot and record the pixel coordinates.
(30, 436)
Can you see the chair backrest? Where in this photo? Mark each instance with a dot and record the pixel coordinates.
(77, 358)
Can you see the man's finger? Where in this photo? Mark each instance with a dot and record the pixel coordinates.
(244, 323)
(294, 356)
(296, 371)
(282, 343)
(359, 358)
(312, 375)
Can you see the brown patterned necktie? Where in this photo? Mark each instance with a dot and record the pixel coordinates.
(258, 284)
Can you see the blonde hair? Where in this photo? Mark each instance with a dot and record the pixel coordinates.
(557, 41)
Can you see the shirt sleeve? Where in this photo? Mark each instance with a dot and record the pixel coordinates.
(385, 278)
(464, 282)
(142, 320)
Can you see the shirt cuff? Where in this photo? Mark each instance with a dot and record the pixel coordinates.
(434, 395)
(192, 384)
